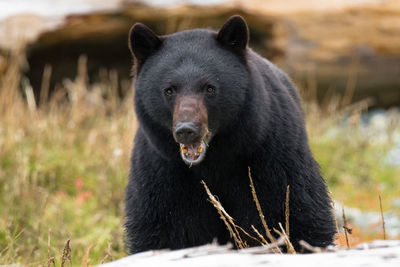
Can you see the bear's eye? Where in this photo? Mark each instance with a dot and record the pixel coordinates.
(210, 89)
(169, 91)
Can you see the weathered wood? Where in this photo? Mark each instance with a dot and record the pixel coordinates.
(377, 253)
(346, 47)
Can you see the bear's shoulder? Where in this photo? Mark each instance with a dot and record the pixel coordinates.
(273, 75)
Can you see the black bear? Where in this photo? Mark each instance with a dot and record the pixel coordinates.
(208, 108)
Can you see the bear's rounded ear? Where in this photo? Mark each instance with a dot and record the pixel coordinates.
(234, 33)
(143, 42)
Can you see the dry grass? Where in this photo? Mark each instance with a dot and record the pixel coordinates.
(274, 244)
(226, 218)
(260, 213)
(347, 229)
(383, 218)
(63, 165)
(234, 229)
(66, 255)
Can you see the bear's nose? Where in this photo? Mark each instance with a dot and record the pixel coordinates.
(187, 133)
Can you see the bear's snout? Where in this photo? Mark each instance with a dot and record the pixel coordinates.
(187, 132)
(190, 128)
(190, 121)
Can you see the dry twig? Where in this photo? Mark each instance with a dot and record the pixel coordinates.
(269, 249)
(255, 198)
(287, 212)
(66, 255)
(307, 246)
(346, 228)
(246, 233)
(260, 235)
(227, 219)
(108, 254)
(85, 260)
(334, 212)
(383, 218)
(50, 260)
(289, 244)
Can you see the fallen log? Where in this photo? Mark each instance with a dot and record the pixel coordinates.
(345, 48)
(377, 253)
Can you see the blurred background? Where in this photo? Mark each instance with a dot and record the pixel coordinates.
(67, 121)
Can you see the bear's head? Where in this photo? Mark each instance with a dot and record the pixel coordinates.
(192, 83)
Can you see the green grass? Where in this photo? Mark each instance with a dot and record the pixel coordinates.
(64, 179)
(63, 172)
(64, 167)
(353, 158)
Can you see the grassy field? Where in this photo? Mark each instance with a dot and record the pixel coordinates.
(64, 166)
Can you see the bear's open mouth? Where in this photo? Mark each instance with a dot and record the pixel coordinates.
(194, 153)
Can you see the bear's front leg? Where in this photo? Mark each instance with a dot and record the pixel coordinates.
(166, 208)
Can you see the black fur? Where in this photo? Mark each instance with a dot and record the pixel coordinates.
(145, 42)
(255, 119)
(234, 34)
